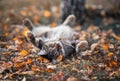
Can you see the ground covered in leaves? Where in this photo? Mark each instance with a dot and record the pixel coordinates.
(100, 61)
(19, 60)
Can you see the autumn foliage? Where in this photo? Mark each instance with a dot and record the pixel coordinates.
(19, 60)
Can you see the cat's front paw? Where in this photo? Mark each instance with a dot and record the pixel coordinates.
(31, 39)
(81, 46)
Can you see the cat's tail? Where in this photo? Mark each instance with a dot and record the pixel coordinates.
(70, 20)
(27, 22)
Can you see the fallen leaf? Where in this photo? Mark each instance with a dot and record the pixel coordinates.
(19, 64)
(58, 77)
(29, 61)
(51, 66)
(23, 13)
(72, 79)
(49, 70)
(59, 59)
(105, 46)
(47, 13)
(28, 72)
(113, 63)
(74, 70)
(23, 53)
(110, 54)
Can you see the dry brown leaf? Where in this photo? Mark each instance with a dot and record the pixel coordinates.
(28, 72)
(2, 68)
(18, 59)
(72, 79)
(74, 70)
(58, 77)
(108, 68)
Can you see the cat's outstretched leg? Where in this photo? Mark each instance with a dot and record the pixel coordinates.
(28, 23)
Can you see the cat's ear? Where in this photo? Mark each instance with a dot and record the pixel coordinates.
(28, 23)
(70, 20)
(31, 39)
(58, 45)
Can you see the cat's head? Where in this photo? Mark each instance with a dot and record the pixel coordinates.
(49, 48)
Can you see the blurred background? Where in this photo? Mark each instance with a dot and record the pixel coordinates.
(47, 12)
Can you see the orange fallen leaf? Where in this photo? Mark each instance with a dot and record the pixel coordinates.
(110, 54)
(40, 58)
(19, 64)
(23, 53)
(34, 68)
(17, 40)
(23, 13)
(113, 63)
(118, 38)
(49, 70)
(29, 61)
(45, 60)
(105, 46)
(47, 13)
(60, 57)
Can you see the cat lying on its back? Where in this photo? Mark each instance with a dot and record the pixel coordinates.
(55, 41)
